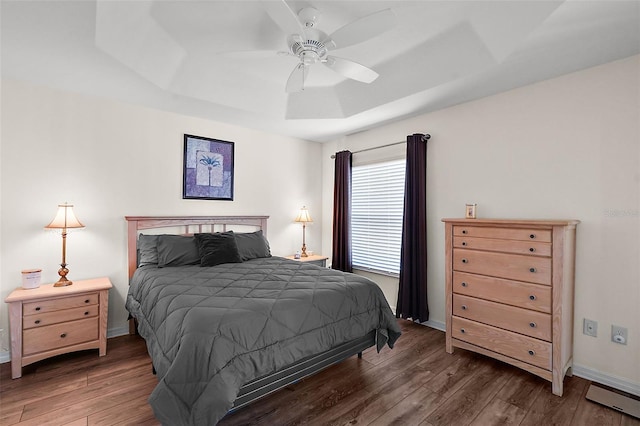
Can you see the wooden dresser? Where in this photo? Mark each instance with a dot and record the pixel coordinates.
(48, 321)
(509, 292)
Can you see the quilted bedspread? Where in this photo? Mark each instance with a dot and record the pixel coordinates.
(209, 330)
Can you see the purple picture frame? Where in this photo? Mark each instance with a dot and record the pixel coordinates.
(208, 168)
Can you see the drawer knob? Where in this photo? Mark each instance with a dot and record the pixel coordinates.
(464, 243)
(63, 335)
(532, 249)
(532, 352)
(37, 308)
(463, 284)
(532, 236)
(464, 307)
(464, 231)
(37, 321)
(532, 297)
(532, 269)
(86, 301)
(465, 261)
(86, 313)
(533, 325)
(462, 330)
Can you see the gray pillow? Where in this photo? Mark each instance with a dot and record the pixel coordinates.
(252, 245)
(217, 248)
(147, 250)
(177, 250)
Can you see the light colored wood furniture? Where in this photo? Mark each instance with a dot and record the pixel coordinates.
(314, 259)
(509, 292)
(48, 321)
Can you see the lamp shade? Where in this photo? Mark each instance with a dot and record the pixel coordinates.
(303, 216)
(65, 218)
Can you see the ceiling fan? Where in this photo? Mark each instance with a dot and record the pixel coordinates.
(312, 46)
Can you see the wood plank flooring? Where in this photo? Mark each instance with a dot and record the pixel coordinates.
(416, 383)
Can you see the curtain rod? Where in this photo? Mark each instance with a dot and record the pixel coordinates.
(425, 137)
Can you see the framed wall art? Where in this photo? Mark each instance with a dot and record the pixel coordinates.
(208, 169)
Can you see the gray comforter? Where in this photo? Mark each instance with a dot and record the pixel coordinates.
(211, 330)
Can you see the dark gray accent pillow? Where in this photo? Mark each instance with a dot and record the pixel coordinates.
(217, 248)
(252, 245)
(147, 250)
(177, 250)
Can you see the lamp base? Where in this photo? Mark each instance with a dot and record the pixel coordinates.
(63, 281)
(304, 251)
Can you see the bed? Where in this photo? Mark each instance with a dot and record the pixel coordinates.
(229, 323)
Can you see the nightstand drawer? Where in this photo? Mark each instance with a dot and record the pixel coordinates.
(58, 304)
(59, 335)
(512, 266)
(523, 348)
(48, 318)
(523, 321)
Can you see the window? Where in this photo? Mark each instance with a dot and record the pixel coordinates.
(376, 216)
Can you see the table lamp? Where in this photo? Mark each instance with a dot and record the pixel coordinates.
(65, 219)
(304, 217)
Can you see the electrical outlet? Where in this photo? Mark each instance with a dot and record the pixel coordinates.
(619, 334)
(590, 327)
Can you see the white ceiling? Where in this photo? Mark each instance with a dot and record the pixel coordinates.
(174, 55)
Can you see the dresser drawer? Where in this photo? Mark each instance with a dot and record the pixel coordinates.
(54, 317)
(55, 336)
(534, 248)
(57, 304)
(522, 234)
(523, 348)
(523, 321)
(512, 266)
(516, 293)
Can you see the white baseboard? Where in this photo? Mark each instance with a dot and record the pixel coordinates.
(606, 379)
(435, 324)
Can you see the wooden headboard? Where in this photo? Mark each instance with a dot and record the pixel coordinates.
(184, 225)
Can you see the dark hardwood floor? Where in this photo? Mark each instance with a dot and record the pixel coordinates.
(416, 383)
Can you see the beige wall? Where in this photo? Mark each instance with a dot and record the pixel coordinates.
(112, 159)
(564, 148)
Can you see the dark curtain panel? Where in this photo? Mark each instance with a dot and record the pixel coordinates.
(341, 253)
(412, 292)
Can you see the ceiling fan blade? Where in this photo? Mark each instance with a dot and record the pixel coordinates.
(363, 29)
(295, 83)
(284, 16)
(350, 69)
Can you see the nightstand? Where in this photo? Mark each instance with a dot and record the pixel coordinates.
(49, 321)
(316, 259)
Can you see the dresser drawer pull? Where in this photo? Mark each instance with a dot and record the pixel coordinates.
(532, 269)
(37, 321)
(533, 325)
(465, 260)
(464, 231)
(87, 301)
(462, 330)
(63, 335)
(463, 284)
(464, 243)
(532, 352)
(532, 249)
(38, 308)
(464, 307)
(532, 297)
(532, 236)
(86, 313)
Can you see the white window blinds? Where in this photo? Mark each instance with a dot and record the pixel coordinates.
(376, 216)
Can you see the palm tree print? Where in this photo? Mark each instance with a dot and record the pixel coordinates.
(210, 162)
